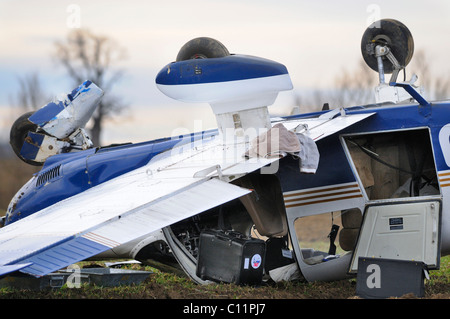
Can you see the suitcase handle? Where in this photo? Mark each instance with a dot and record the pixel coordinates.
(225, 236)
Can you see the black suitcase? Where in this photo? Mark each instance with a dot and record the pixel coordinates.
(231, 257)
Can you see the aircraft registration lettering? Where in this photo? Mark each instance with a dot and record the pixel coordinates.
(444, 141)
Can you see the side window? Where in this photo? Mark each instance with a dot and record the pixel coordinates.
(329, 234)
(394, 164)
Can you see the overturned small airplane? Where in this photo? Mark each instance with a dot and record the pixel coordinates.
(195, 200)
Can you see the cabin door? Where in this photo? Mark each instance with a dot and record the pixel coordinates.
(407, 230)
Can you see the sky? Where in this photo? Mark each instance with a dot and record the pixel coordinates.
(316, 40)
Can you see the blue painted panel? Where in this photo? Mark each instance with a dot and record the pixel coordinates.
(229, 68)
(107, 165)
(440, 116)
(408, 88)
(333, 168)
(82, 88)
(46, 113)
(31, 145)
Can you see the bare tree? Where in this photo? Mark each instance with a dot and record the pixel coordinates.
(352, 87)
(442, 88)
(30, 95)
(355, 87)
(87, 56)
(437, 87)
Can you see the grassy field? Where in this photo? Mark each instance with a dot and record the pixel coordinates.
(163, 285)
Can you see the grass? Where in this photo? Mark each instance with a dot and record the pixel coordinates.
(163, 285)
(439, 283)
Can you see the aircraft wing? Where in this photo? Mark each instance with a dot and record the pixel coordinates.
(163, 192)
(325, 125)
(173, 186)
(80, 229)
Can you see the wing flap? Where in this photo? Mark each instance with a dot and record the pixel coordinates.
(60, 255)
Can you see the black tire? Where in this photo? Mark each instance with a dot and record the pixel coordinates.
(18, 133)
(202, 48)
(397, 37)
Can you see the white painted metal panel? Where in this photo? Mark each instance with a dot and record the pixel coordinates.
(154, 216)
(321, 127)
(231, 96)
(401, 231)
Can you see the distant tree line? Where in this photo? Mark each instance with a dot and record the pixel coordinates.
(356, 86)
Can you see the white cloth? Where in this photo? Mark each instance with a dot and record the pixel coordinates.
(274, 142)
(308, 155)
(278, 141)
(285, 273)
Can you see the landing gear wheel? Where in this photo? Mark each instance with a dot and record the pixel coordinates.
(18, 133)
(202, 48)
(393, 34)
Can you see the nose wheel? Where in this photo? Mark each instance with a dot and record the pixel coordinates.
(202, 48)
(18, 134)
